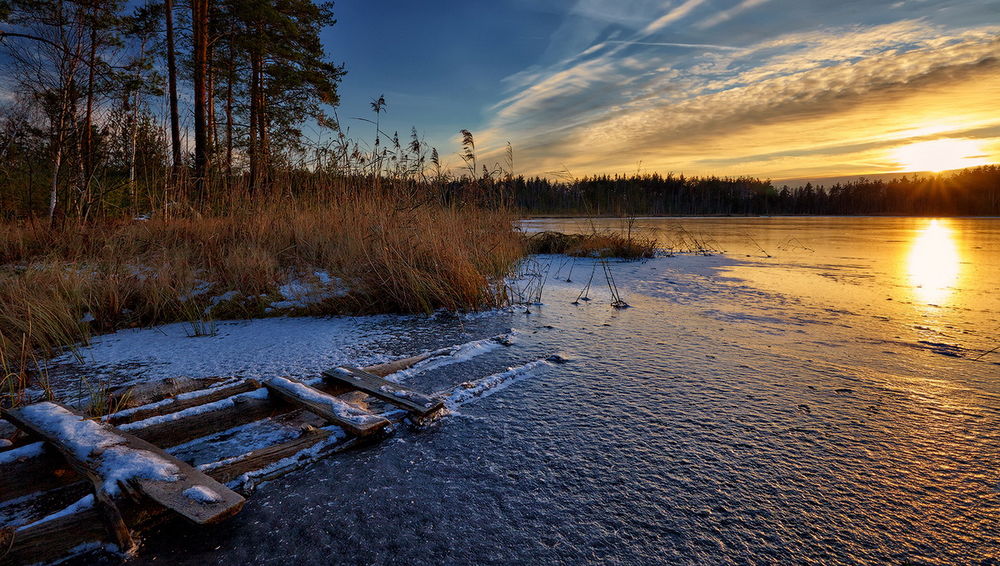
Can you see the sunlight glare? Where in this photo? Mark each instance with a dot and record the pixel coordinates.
(934, 263)
(940, 155)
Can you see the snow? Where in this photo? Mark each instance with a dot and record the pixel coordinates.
(296, 347)
(456, 354)
(201, 494)
(339, 408)
(300, 292)
(490, 384)
(219, 299)
(82, 504)
(32, 450)
(124, 413)
(260, 393)
(91, 441)
(249, 480)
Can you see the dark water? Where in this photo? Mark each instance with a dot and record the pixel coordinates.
(719, 420)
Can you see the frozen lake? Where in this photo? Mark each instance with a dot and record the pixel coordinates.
(823, 393)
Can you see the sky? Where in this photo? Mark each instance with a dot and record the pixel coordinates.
(778, 89)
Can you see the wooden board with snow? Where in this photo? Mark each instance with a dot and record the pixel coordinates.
(337, 411)
(120, 461)
(390, 392)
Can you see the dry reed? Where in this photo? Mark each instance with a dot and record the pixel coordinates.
(390, 253)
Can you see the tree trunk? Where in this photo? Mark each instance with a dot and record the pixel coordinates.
(87, 158)
(229, 113)
(199, 22)
(252, 150)
(175, 127)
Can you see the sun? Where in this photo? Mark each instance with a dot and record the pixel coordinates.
(940, 155)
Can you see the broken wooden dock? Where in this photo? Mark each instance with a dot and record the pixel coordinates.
(74, 480)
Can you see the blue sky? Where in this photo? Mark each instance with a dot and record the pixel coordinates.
(772, 88)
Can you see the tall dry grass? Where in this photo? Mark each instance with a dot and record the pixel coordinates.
(392, 252)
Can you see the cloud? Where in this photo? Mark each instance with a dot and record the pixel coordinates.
(626, 101)
(667, 44)
(726, 15)
(672, 16)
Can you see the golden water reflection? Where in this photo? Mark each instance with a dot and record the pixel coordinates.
(934, 263)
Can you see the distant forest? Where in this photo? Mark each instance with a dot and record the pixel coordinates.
(968, 192)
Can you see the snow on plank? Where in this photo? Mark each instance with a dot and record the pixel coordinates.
(114, 459)
(388, 391)
(357, 421)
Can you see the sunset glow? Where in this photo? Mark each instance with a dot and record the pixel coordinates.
(933, 263)
(940, 155)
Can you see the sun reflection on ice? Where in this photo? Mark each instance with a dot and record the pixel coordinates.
(934, 263)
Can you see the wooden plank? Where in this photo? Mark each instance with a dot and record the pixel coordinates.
(394, 393)
(114, 460)
(337, 411)
(181, 402)
(263, 457)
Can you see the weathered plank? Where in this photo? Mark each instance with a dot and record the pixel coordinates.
(114, 459)
(337, 411)
(181, 402)
(394, 393)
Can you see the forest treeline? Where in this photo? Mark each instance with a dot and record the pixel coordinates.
(973, 191)
(119, 106)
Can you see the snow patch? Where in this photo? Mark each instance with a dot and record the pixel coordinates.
(201, 494)
(32, 450)
(301, 292)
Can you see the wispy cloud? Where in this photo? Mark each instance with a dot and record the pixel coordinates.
(674, 15)
(726, 15)
(669, 44)
(767, 107)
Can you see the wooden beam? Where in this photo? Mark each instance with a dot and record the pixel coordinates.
(334, 410)
(114, 460)
(394, 393)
